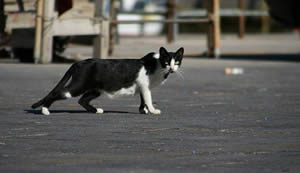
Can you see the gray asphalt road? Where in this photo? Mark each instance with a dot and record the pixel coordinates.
(210, 122)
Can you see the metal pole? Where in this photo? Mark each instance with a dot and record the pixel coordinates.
(170, 16)
(3, 18)
(101, 42)
(265, 27)
(47, 32)
(38, 31)
(113, 28)
(214, 31)
(21, 5)
(242, 20)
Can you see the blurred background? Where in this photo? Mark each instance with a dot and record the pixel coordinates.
(248, 27)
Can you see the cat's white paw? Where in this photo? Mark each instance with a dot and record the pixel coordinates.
(155, 111)
(99, 111)
(45, 111)
(146, 110)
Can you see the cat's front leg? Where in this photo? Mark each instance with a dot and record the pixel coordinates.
(143, 107)
(146, 95)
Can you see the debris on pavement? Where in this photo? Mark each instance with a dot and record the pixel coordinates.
(234, 71)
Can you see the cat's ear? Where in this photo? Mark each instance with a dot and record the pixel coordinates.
(163, 52)
(179, 53)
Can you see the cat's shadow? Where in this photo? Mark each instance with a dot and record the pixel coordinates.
(33, 111)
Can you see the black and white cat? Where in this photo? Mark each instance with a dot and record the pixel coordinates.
(93, 77)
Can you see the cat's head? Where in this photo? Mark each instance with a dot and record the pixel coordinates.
(170, 60)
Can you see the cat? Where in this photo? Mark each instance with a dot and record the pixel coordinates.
(93, 77)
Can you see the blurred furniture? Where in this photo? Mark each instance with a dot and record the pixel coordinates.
(211, 18)
(241, 11)
(49, 24)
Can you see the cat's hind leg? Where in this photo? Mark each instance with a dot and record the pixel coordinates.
(84, 101)
(52, 97)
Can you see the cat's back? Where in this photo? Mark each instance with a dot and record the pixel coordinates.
(110, 65)
(118, 67)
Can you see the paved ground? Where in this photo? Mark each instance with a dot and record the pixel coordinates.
(211, 122)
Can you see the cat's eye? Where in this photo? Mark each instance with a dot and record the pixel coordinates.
(177, 63)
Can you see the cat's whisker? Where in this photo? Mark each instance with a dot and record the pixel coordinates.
(179, 73)
(163, 71)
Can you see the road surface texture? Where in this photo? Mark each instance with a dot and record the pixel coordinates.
(210, 122)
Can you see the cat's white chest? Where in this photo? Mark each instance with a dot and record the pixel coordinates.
(123, 91)
(150, 80)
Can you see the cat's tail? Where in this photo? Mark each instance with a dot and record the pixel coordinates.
(60, 84)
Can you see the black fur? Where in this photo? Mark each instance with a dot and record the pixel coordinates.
(150, 63)
(88, 75)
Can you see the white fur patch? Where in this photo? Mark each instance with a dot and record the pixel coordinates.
(156, 56)
(68, 95)
(156, 111)
(142, 79)
(151, 80)
(123, 91)
(45, 111)
(146, 110)
(176, 67)
(99, 111)
(172, 64)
